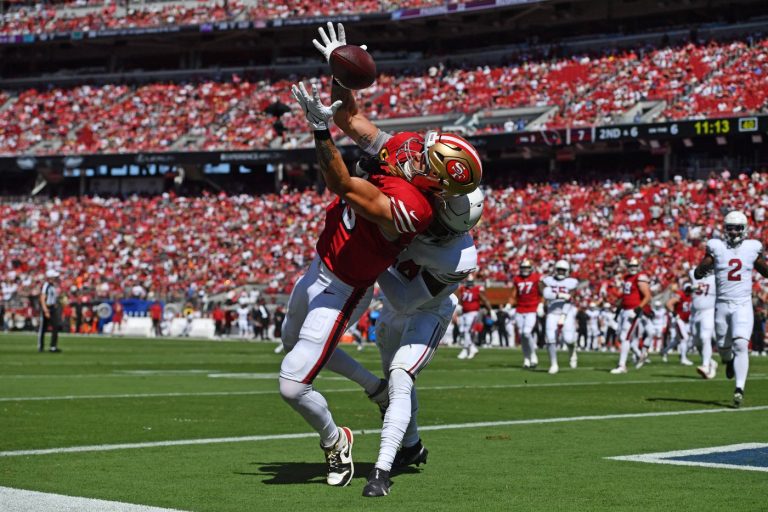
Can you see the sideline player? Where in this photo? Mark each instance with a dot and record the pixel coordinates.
(733, 261)
(471, 297)
(526, 297)
(636, 293)
(593, 327)
(557, 291)
(679, 305)
(417, 309)
(703, 322)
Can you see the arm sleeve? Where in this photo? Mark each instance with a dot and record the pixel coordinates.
(374, 146)
(403, 296)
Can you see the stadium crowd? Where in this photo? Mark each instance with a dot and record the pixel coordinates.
(695, 81)
(171, 246)
(87, 15)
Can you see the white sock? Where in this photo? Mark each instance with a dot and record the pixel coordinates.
(397, 418)
(532, 348)
(571, 349)
(552, 349)
(683, 350)
(312, 407)
(706, 353)
(344, 364)
(740, 361)
(525, 346)
(412, 432)
(624, 353)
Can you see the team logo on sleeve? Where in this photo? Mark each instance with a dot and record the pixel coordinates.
(458, 171)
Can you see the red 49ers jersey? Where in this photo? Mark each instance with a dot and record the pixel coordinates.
(630, 293)
(469, 298)
(528, 295)
(683, 306)
(355, 249)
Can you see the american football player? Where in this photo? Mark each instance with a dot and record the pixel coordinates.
(526, 297)
(703, 322)
(636, 293)
(732, 261)
(557, 291)
(679, 306)
(418, 307)
(593, 328)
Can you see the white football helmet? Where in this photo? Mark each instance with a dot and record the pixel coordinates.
(633, 266)
(526, 267)
(562, 269)
(455, 215)
(735, 228)
(592, 305)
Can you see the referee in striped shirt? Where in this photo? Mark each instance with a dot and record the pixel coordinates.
(49, 302)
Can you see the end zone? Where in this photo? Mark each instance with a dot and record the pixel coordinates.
(745, 456)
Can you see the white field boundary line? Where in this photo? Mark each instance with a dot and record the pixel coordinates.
(455, 426)
(350, 390)
(19, 500)
(666, 457)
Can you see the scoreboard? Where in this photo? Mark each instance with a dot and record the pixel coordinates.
(711, 127)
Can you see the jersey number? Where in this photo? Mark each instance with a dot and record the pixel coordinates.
(627, 287)
(524, 288)
(702, 289)
(348, 218)
(467, 296)
(735, 266)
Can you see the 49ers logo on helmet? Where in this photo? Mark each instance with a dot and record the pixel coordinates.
(458, 171)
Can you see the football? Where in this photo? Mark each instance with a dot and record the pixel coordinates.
(353, 67)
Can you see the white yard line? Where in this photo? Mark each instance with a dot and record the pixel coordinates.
(272, 437)
(664, 457)
(352, 390)
(19, 500)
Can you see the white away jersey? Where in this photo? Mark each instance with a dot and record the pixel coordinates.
(450, 263)
(703, 292)
(593, 316)
(554, 286)
(733, 267)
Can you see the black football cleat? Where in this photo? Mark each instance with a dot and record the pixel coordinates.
(378, 484)
(738, 397)
(411, 456)
(729, 369)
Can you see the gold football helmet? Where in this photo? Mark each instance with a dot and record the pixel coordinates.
(445, 164)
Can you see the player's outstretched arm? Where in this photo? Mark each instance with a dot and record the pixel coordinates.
(705, 266)
(362, 196)
(671, 303)
(348, 117)
(645, 295)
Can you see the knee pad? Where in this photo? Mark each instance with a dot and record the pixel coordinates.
(400, 384)
(740, 345)
(292, 391)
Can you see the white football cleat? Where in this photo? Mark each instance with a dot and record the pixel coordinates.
(279, 348)
(526, 363)
(703, 371)
(463, 354)
(534, 361)
(619, 369)
(574, 361)
(553, 369)
(472, 351)
(686, 362)
(712, 369)
(341, 469)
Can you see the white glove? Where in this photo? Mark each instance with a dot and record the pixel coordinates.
(564, 296)
(493, 315)
(318, 115)
(332, 42)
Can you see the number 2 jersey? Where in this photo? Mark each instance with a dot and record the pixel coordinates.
(355, 249)
(733, 267)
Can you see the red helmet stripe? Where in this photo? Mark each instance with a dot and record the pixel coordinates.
(463, 144)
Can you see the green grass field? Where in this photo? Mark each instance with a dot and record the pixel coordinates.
(104, 392)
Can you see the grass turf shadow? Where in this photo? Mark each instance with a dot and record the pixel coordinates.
(716, 403)
(291, 473)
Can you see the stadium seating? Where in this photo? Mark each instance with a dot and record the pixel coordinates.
(129, 247)
(88, 15)
(708, 79)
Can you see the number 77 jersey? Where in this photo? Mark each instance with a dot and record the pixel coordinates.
(528, 295)
(733, 267)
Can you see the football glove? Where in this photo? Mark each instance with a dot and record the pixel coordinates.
(331, 40)
(318, 115)
(638, 311)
